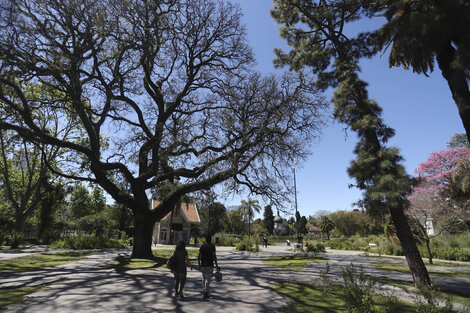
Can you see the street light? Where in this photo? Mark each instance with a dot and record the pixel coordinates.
(299, 238)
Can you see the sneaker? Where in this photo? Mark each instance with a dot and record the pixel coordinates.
(206, 295)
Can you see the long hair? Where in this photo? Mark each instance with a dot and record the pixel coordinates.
(181, 245)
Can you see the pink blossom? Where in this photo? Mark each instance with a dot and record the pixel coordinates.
(439, 165)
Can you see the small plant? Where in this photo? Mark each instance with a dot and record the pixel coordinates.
(2, 239)
(391, 304)
(358, 290)
(429, 301)
(316, 248)
(124, 238)
(465, 308)
(247, 244)
(15, 240)
(324, 281)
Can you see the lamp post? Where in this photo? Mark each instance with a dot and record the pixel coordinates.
(299, 238)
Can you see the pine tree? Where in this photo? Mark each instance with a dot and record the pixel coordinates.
(314, 31)
(268, 221)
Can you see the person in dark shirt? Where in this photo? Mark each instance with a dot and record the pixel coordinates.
(180, 272)
(206, 260)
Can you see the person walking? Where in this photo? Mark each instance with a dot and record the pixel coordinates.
(206, 260)
(180, 272)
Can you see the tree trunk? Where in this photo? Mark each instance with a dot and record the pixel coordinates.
(122, 218)
(429, 251)
(45, 222)
(19, 221)
(457, 81)
(249, 228)
(143, 230)
(170, 235)
(413, 257)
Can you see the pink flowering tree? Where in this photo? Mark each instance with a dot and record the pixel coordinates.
(459, 186)
(434, 207)
(440, 165)
(448, 173)
(428, 215)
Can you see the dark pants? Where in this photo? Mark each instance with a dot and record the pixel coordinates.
(180, 280)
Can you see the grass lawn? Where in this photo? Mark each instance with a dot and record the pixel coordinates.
(165, 253)
(432, 272)
(294, 262)
(409, 286)
(462, 297)
(39, 261)
(125, 263)
(426, 261)
(12, 295)
(308, 297)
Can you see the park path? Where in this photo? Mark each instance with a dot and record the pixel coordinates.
(11, 254)
(85, 286)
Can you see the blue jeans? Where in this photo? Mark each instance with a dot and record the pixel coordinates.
(206, 277)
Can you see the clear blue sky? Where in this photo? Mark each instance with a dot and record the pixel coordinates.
(419, 108)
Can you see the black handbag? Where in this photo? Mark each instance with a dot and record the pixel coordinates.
(171, 263)
(218, 274)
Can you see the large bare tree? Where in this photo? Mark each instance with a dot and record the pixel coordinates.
(163, 91)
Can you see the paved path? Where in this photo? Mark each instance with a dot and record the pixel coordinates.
(85, 286)
(11, 254)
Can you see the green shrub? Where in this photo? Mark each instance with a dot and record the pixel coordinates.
(449, 253)
(358, 290)
(15, 240)
(316, 247)
(452, 254)
(241, 246)
(86, 242)
(248, 244)
(389, 248)
(446, 247)
(3, 239)
(124, 238)
(356, 243)
(225, 240)
(454, 243)
(428, 301)
(451, 241)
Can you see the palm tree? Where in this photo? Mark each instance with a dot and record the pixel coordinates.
(422, 32)
(248, 208)
(326, 225)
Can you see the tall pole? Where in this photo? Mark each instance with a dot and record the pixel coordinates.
(295, 197)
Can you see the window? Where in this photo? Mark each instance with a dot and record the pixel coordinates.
(163, 235)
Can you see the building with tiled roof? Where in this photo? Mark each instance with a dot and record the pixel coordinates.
(176, 226)
(314, 230)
